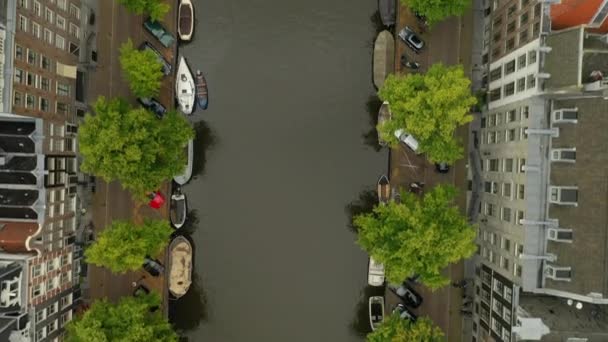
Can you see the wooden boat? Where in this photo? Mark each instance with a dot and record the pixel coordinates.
(178, 208)
(384, 57)
(185, 177)
(185, 26)
(201, 90)
(180, 266)
(384, 115)
(384, 189)
(376, 311)
(184, 87)
(388, 11)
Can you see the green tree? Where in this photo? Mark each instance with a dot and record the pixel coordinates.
(430, 107)
(133, 146)
(417, 236)
(396, 329)
(131, 320)
(155, 8)
(142, 69)
(437, 10)
(123, 246)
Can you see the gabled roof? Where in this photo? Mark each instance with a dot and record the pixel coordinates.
(569, 13)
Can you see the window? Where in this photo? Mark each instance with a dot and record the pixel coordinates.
(521, 84)
(35, 29)
(37, 290)
(52, 309)
(48, 15)
(523, 19)
(566, 195)
(505, 214)
(44, 104)
(521, 192)
(40, 334)
(537, 9)
(17, 99)
(495, 94)
(51, 265)
(524, 111)
(489, 210)
(493, 238)
(565, 115)
(558, 273)
(511, 10)
(511, 134)
(531, 81)
(74, 49)
(62, 4)
(522, 164)
(519, 250)
(511, 27)
(45, 84)
(497, 286)
(510, 67)
(32, 57)
(66, 300)
(45, 63)
(18, 52)
(40, 315)
(60, 21)
(74, 11)
(19, 76)
(65, 318)
(531, 57)
(37, 8)
(59, 42)
(523, 36)
(23, 3)
(600, 16)
(52, 284)
(74, 31)
(505, 244)
(30, 101)
(510, 44)
(563, 155)
(32, 80)
(62, 108)
(63, 89)
(22, 23)
(521, 61)
(36, 270)
(519, 215)
(512, 115)
(559, 234)
(506, 190)
(52, 327)
(504, 262)
(509, 89)
(495, 74)
(48, 36)
(493, 165)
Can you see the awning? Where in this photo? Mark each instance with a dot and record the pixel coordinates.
(68, 71)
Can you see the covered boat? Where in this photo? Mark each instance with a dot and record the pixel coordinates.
(384, 115)
(384, 57)
(185, 177)
(376, 311)
(185, 26)
(201, 90)
(180, 266)
(178, 208)
(388, 11)
(184, 87)
(384, 189)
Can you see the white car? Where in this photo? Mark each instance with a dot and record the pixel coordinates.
(375, 273)
(407, 139)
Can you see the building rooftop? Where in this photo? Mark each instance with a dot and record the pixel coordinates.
(568, 13)
(14, 235)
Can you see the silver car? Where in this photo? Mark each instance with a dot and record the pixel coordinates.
(411, 39)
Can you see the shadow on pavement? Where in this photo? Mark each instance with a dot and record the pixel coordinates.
(372, 106)
(204, 141)
(360, 323)
(364, 204)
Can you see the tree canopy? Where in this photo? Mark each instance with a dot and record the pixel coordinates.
(123, 246)
(437, 10)
(155, 8)
(142, 69)
(133, 146)
(396, 329)
(430, 107)
(131, 320)
(419, 236)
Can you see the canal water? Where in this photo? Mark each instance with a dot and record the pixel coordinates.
(283, 154)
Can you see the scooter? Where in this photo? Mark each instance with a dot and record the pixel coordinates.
(409, 65)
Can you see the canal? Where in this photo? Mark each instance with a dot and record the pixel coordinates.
(284, 148)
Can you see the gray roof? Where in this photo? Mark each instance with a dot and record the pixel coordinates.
(562, 63)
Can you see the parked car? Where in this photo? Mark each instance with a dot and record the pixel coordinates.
(166, 65)
(153, 267)
(375, 273)
(158, 31)
(407, 139)
(409, 296)
(153, 105)
(376, 311)
(411, 39)
(442, 167)
(404, 313)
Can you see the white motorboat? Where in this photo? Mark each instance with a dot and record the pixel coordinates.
(185, 26)
(180, 266)
(184, 87)
(178, 208)
(185, 177)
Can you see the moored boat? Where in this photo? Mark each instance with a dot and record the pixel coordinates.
(384, 189)
(180, 266)
(384, 115)
(388, 11)
(384, 57)
(376, 311)
(187, 174)
(185, 26)
(178, 208)
(202, 95)
(184, 87)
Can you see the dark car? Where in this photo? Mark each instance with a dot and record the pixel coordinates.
(166, 65)
(153, 267)
(404, 313)
(153, 105)
(442, 167)
(158, 31)
(411, 39)
(407, 294)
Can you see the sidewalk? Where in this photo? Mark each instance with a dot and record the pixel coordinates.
(110, 201)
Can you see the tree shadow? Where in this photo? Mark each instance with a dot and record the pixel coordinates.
(372, 106)
(360, 324)
(366, 202)
(377, 24)
(187, 312)
(204, 141)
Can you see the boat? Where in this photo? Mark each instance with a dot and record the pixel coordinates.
(384, 189)
(384, 115)
(187, 174)
(384, 57)
(180, 266)
(376, 311)
(388, 11)
(184, 87)
(185, 26)
(178, 208)
(201, 90)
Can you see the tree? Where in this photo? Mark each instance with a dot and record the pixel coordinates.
(142, 69)
(430, 107)
(417, 236)
(133, 146)
(396, 329)
(437, 10)
(123, 246)
(133, 319)
(155, 8)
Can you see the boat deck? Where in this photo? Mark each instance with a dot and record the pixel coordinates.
(185, 19)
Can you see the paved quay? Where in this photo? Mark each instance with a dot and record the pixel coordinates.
(110, 201)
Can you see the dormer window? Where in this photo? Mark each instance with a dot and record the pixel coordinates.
(559, 234)
(563, 155)
(558, 273)
(565, 115)
(566, 195)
